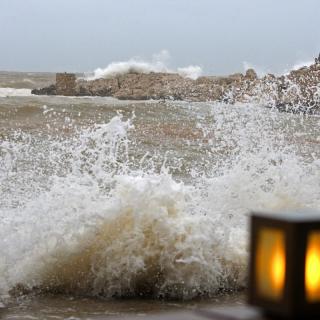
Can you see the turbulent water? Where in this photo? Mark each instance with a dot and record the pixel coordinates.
(158, 63)
(106, 198)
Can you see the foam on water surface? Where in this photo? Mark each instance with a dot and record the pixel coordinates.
(13, 92)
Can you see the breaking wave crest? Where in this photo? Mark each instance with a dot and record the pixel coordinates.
(97, 222)
(137, 65)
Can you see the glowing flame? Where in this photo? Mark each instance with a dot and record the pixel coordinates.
(271, 263)
(278, 264)
(312, 268)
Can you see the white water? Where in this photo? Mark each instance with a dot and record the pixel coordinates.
(99, 225)
(13, 92)
(159, 63)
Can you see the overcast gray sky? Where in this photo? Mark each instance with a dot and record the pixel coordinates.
(219, 35)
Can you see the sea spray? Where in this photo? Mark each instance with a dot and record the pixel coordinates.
(116, 231)
(147, 244)
(95, 219)
(159, 63)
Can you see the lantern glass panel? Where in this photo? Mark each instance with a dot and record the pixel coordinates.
(270, 264)
(312, 267)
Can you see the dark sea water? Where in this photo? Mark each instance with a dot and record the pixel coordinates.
(114, 207)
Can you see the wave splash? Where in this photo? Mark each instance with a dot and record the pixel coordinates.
(105, 226)
(148, 245)
(157, 64)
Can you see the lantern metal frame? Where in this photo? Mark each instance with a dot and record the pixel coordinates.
(296, 227)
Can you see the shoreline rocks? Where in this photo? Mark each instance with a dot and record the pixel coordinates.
(298, 91)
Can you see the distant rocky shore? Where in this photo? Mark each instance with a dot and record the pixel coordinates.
(297, 91)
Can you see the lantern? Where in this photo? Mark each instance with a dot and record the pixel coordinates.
(284, 277)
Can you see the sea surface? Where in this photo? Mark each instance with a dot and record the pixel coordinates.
(114, 207)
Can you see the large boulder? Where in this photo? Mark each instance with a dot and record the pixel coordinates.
(251, 74)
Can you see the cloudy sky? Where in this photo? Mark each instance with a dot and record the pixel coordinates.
(219, 35)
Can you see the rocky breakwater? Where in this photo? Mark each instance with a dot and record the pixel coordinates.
(297, 91)
(145, 86)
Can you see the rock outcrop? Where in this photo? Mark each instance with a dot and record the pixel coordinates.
(49, 91)
(298, 91)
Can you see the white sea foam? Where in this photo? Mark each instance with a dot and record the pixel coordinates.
(159, 63)
(102, 225)
(12, 92)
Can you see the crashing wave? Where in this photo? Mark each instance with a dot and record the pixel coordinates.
(105, 225)
(136, 65)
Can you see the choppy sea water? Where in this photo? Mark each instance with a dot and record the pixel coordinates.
(103, 202)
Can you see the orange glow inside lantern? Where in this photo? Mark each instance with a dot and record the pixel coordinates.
(312, 268)
(270, 263)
